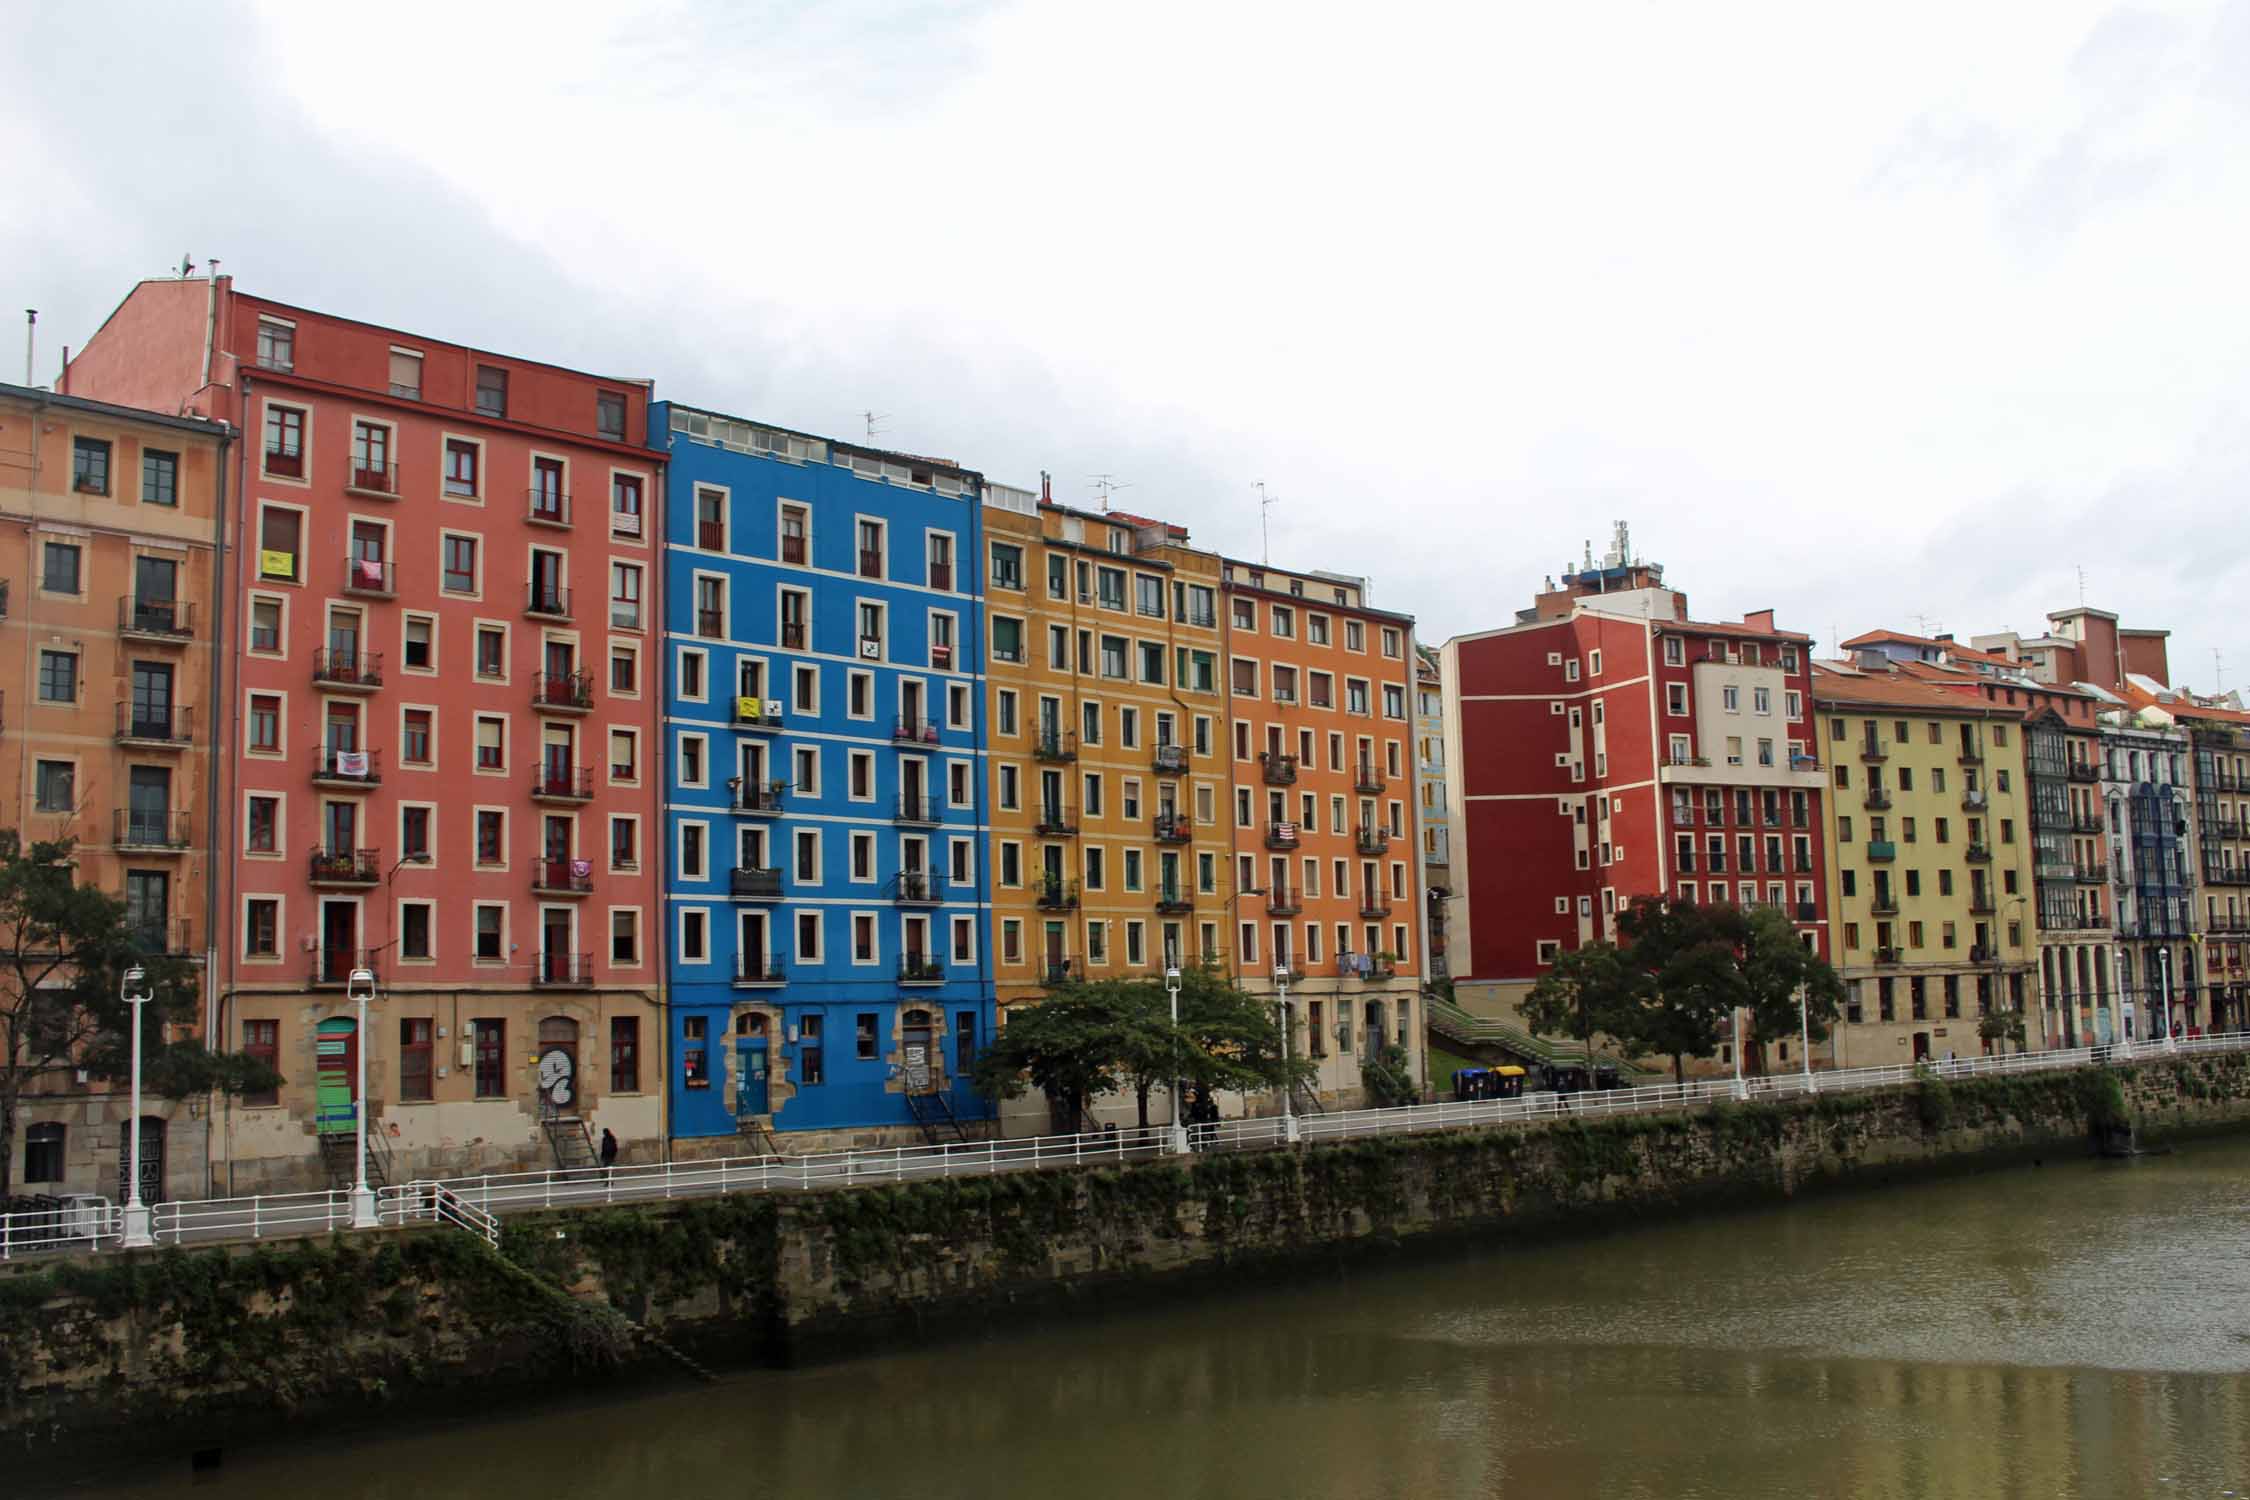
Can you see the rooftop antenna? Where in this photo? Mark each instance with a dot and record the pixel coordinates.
(873, 420)
(2218, 674)
(1922, 623)
(2081, 586)
(1106, 486)
(187, 267)
(1266, 503)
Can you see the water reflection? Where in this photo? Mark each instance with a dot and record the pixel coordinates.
(2078, 1329)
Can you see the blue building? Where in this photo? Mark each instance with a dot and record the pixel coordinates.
(826, 908)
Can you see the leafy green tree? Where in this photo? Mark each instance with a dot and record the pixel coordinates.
(2000, 1026)
(64, 950)
(1590, 991)
(1776, 967)
(1388, 1078)
(1070, 1047)
(1693, 981)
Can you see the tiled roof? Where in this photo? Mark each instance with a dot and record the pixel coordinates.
(1899, 690)
(1720, 627)
(1950, 648)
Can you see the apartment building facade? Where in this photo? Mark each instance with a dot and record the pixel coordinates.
(1608, 746)
(440, 593)
(108, 609)
(1327, 883)
(1109, 771)
(825, 789)
(1430, 798)
(1931, 863)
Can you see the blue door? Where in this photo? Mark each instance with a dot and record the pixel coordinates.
(750, 1077)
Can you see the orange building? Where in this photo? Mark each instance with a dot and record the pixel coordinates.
(108, 609)
(1327, 881)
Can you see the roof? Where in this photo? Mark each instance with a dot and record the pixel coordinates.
(1950, 648)
(1899, 690)
(111, 409)
(1721, 627)
(2179, 705)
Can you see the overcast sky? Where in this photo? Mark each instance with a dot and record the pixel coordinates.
(1879, 315)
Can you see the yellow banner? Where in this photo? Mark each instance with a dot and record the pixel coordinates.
(277, 564)
(748, 708)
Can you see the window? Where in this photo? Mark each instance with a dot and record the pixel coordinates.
(492, 391)
(625, 938)
(624, 843)
(624, 1054)
(57, 786)
(492, 836)
(58, 573)
(625, 596)
(695, 1052)
(89, 466)
(811, 1066)
(414, 737)
(261, 1043)
(414, 832)
(160, 477)
(277, 344)
(414, 928)
(285, 442)
(609, 415)
(491, 1055)
(624, 670)
(415, 1058)
(58, 676)
(265, 723)
(1007, 566)
(460, 571)
(419, 652)
(265, 625)
(261, 928)
(43, 1154)
(625, 505)
(492, 651)
(461, 463)
(624, 755)
(406, 375)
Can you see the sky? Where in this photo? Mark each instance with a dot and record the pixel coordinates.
(1880, 316)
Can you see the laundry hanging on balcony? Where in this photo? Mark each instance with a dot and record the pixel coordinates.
(368, 571)
(581, 869)
(351, 762)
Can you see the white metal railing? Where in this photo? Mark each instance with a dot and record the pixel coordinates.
(473, 1203)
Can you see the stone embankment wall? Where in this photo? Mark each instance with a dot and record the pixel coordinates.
(187, 1346)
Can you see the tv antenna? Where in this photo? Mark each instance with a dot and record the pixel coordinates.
(874, 420)
(1105, 486)
(1266, 503)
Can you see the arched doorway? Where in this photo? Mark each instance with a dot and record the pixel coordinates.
(152, 1161)
(752, 1094)
(558, 1067)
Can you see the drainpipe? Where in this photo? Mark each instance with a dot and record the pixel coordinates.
(660, 547)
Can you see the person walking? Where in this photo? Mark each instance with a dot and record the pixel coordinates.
(609, 1148)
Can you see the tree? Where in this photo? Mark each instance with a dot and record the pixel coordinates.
(64, 950)
(1069, 1047)
(1593, 990)
(1999, 1026)
(1776, 967)
(1688, 955)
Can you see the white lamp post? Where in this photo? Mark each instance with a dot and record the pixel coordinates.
(2164, 957)
(1734, 1035)
(1172, 988)
(2123, 1028)
(1288, 1085)
(361, 986)
(134, 991)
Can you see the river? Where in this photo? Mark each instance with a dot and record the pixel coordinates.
(2081, 1328)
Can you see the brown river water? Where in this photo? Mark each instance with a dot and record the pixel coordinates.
(2080, 1328)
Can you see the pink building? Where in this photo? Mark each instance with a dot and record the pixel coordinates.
(437, 597)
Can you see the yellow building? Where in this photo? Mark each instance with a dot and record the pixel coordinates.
(1108, 755)
(1929, 862)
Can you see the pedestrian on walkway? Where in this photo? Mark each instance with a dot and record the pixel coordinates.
(609, 1147)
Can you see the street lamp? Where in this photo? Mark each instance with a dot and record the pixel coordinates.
(1734, 1038)
(2164, 959)
(1804, 1036)
(361, 987)
(1172, 988)
(1288, 1085)
(134, 991)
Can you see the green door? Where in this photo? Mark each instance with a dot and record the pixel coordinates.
(335, 1072)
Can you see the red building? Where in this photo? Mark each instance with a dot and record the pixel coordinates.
(438, 598)
(1608, 746)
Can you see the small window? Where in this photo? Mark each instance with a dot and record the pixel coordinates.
(89, 466)
(58, 677)
(261, 1043)
(57, 786)
(43, 1153)
(160, 477)
(492, 391)
(59, 571)
(609, 415)
(277, 345)
(460, 573)
(261, 928)
(461, 463)
(406, 375)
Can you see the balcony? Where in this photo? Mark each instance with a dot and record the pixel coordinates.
(344, 867)
(1675, 758)
(1972, 755)
(1279, 770)
(562, 877)
(164, 622)
(369, 578)
(2084, 771)
(1981, 904)
(1173, 828)
(1807, 912)
(1281, 835)
(563, 971)
(2085, 823)
(2093, 874)
(912, 729)
(145, 727)
(1052, 744)
(1170, 760)
(2221, 827)
(1884, 903)
(1054, 821)
(792, 635)
(759, 799)
(545, 507)
(870, 563)
(1172, 901)
(174, 938)
(562, 692)
(1881, 850)
(1876, 799)
(919, 808)
(331, 968)
(917, 888)
(562, 784)
(793, 549)
(347, 768)
(150, 832)
(1872, 749)
(1059, 971)
(1284, 901)
(348, 671)
(757, 971)
(1350, 965)
(1374, 906)
(372, 480)
(1053, 893)
(1974, 800)
(1888, 955)
(1372, 839)
(921, 968)
(546, 601)
(1978, 854)
(758, 715)
(941, 577)
(1980, 953)
(1367, 779)
(753, 883)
